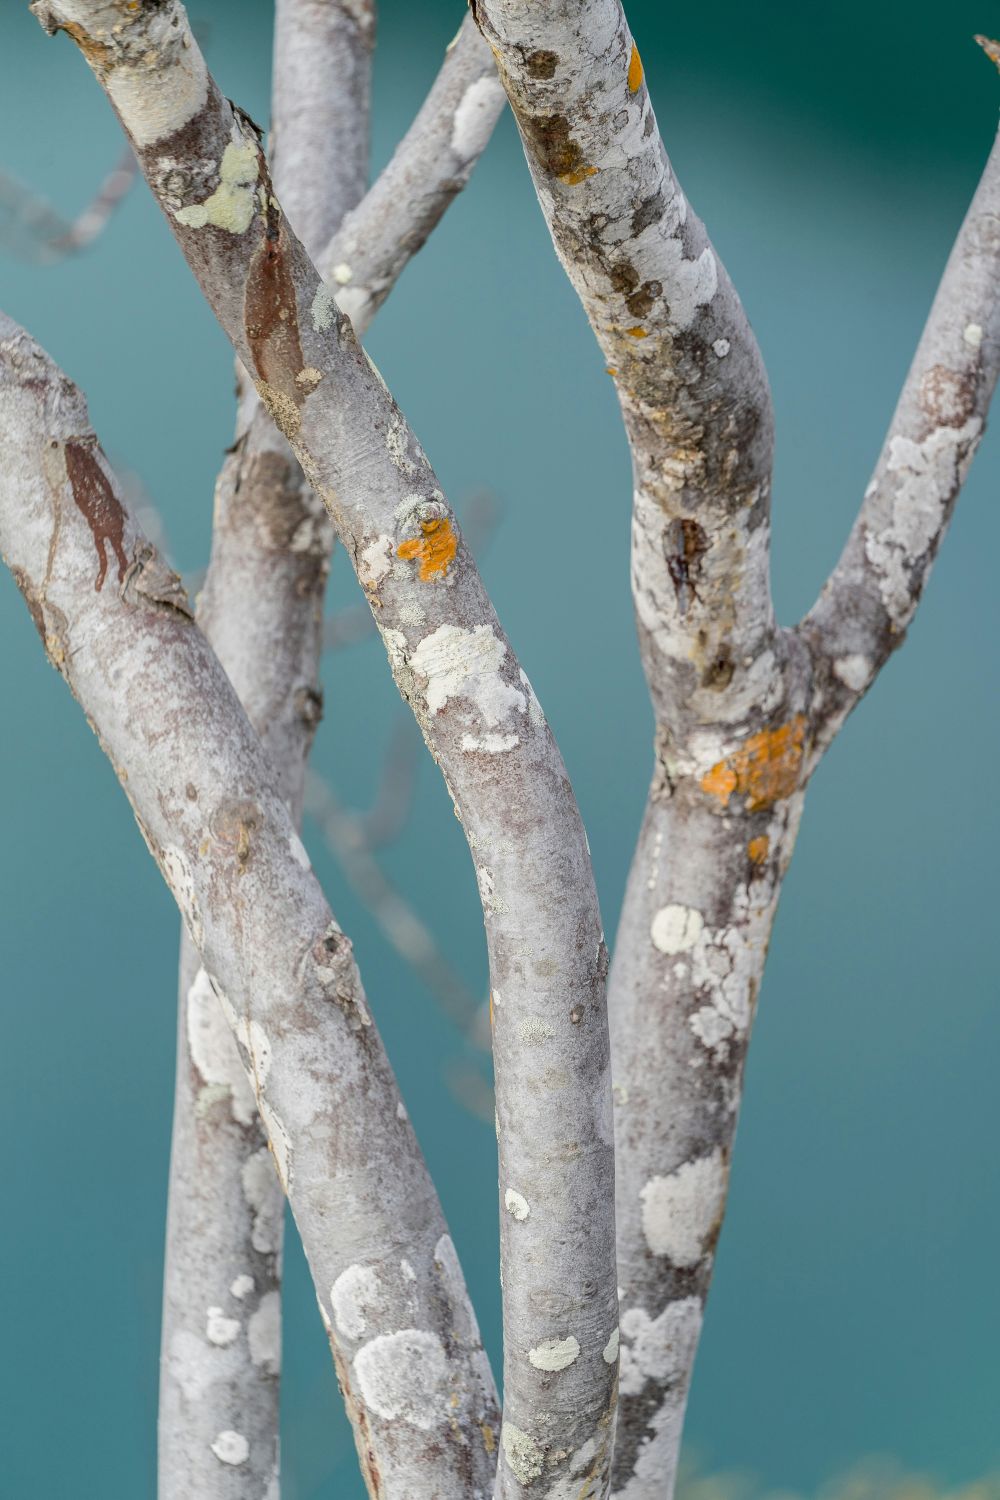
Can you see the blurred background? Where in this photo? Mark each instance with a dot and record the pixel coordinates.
(851, 1341)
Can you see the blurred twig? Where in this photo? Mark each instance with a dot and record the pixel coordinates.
(31, 229)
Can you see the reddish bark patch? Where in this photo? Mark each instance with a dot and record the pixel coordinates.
(270, 310)
(97, 502)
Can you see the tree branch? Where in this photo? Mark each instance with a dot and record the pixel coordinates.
(116, 624)
(476, 708)
(261, 609)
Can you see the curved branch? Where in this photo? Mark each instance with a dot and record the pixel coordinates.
(871, 596)
(261, 609)
(116, 624)
(476, 708)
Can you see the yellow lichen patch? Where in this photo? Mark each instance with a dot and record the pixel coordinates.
(572, 178)
(758, 849)
(765, 769)
(635, 71)
(434, 550)
(309, 378)
(637, 332)
(489, 1438)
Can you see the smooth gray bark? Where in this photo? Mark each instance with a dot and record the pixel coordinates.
(116, 624)
(548, 961)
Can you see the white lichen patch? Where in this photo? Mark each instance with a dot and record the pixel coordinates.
(535, 1030)
(404, 1377)
(721, 348)
(490, 744)
(926, 476)
(475, 116)
(231, 1448)
(219, 1329)
(681, 1212)
(855, 672)
(466, 664)
(342, 273)
(660, 1348)
(973, 335)
(211, 1047)
(524, 1457)
(675, 929)
(263, 1195)
(554, 1354)
(264, 1334)
(354, 1293)
(233, 204)
(154, 102)
(375, 562)
(516, 1205)
(242, 1286)
(324, 308)
(610, 1351)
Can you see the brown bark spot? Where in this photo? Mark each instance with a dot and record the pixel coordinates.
(541, 63)
(947, 397)
(434, 550)
(685, 544)
(99, 505)
(234, 825)
(554, 147)
(270, 310)
(766, 768)
(31, 599)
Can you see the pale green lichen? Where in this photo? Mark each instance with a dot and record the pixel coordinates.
(523, 1454)
(233, 204)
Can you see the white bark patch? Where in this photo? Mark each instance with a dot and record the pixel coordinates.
(155, 101)
(524, 1456)
(687, 284)
(675, 929)
(177, 873)
(490, 744)
(264, 1334)
(466, 664)
(260, 1189)
(680, 1212)
(554, 1354)
(297, 849)
(213, 1050)
(353, 1293)
(929, 474)
(219, 1329)
(234, 202)
(475, 116)
(375, 562)
(191, 1365)
(404, 1376)
(352, 300)
(855, 672)
(242, 1287)
(231, 1448)
(610, 1350)
(516, 1205)
(324, 308)
(660, 1348)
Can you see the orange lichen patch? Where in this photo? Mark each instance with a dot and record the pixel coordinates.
(572, 178)
(635, 71)
(637, 333)
(765, 769)
(435, 549)
(611, 370)
(758, 849)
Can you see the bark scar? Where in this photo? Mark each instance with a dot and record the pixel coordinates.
(97, 502)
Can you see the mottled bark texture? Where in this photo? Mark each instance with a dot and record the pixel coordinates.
(743, 709)
(261, 609)
(116, 624)
(477, 710)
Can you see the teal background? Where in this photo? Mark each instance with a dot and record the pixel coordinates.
(832, 151)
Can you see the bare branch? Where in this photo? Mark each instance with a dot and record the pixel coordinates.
(116, 624)
(871, 596)
(431, 165)
(476, 708)
(31, 228)
(261, 608)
